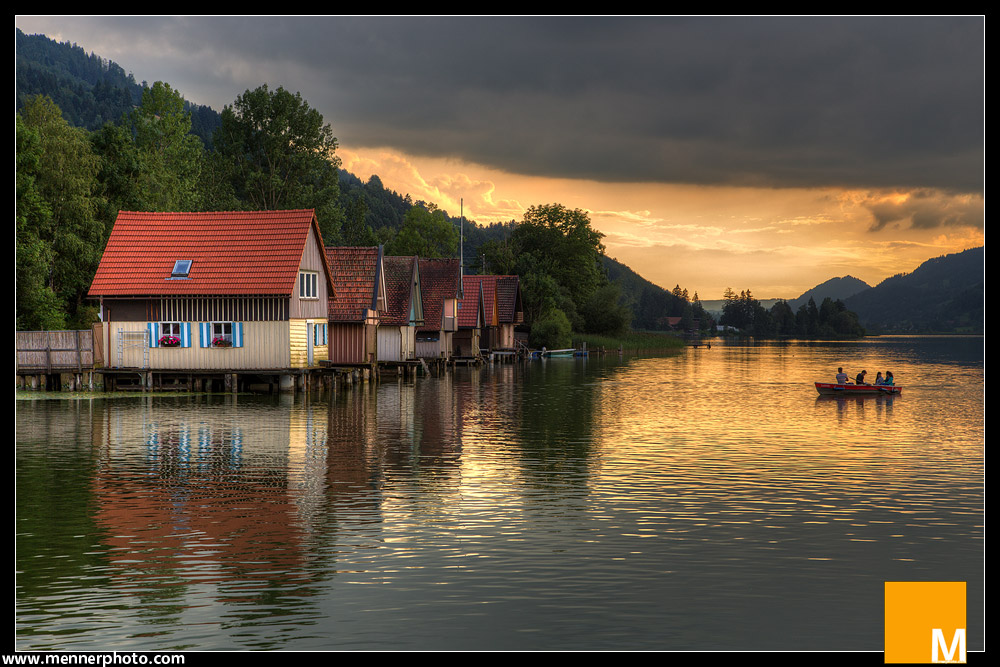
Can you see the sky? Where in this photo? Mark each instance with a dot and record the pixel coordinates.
(760, 153)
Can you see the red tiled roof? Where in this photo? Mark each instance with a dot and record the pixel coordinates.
(509, 299)
(438, 281)
(469, 306)
(231, 253)
(487, 286)
(398, 290)
(355, 274)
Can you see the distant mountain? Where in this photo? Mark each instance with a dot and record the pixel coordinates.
(834, 288)
(943, 295)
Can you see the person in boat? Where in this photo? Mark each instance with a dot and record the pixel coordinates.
(860, 379)
(841, 376)
(888, 378)
(878, 378)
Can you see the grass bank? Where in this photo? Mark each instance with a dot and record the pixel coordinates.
(632, 342)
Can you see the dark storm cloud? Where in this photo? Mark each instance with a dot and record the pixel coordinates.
(928, 209)
(864, 102)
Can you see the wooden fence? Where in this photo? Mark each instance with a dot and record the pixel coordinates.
(47, 352)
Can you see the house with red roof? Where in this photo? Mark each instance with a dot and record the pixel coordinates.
(359, 282)
(502, 309)
(397, 332)
(237, 293)
(440, 283)
(472, 318)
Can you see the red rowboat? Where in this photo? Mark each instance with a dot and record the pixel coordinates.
(834, 389)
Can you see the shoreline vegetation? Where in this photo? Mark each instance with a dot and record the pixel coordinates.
(631, 342)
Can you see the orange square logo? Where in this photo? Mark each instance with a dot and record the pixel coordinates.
(924, 621)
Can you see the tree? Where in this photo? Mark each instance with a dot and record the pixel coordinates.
(37, 307)
(603, 312)
(426, 232)
(150, 161)
(783, 318)
(170, 156)
(552, 330)
(497, 257)
(57, 223)
(356, 231)
(569, 246)
(745, 313)
(279, 154)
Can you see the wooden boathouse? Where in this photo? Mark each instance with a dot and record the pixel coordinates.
(213, 301)
(440, 285)
(360, 301)
(397, 331)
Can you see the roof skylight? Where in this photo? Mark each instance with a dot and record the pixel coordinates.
(182, 268)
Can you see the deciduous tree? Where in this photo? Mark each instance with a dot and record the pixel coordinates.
(280, 154)
(56, 217)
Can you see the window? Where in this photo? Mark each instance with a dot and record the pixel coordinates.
(319, 334)
(308, 285)
(222, 334)
(182, 268)
(170, 334)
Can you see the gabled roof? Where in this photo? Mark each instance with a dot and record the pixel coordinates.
(483, 289)
(358, 281)
(509, 305)
(232, 253)
(438, 281)
(471, 305)
(400, 274)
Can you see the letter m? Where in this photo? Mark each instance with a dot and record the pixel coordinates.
(957, 641)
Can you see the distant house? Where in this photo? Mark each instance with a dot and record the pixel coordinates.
(234, 292)
(510, 310)
(502, 308)
(440, 281)
(397, 332)
(359, 281)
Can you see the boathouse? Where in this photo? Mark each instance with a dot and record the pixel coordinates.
(397, 332)
(471, 319)
(440, 283)
(359, 283)
(502, 310)
(215, 300)
(510, 310)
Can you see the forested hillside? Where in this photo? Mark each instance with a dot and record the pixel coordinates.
(944, 294)
(90, 90)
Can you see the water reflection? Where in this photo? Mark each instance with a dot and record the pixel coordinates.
(706, 500)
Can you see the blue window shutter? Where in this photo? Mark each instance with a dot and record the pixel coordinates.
(186, 334)
(154, 330)
(205, 334)
(325, 339)
(237, 334)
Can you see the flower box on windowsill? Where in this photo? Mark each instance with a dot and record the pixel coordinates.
(222, 342)
(170, 341)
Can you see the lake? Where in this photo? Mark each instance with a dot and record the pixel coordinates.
(709, 500)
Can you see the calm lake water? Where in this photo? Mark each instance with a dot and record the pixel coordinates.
(705, 501)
